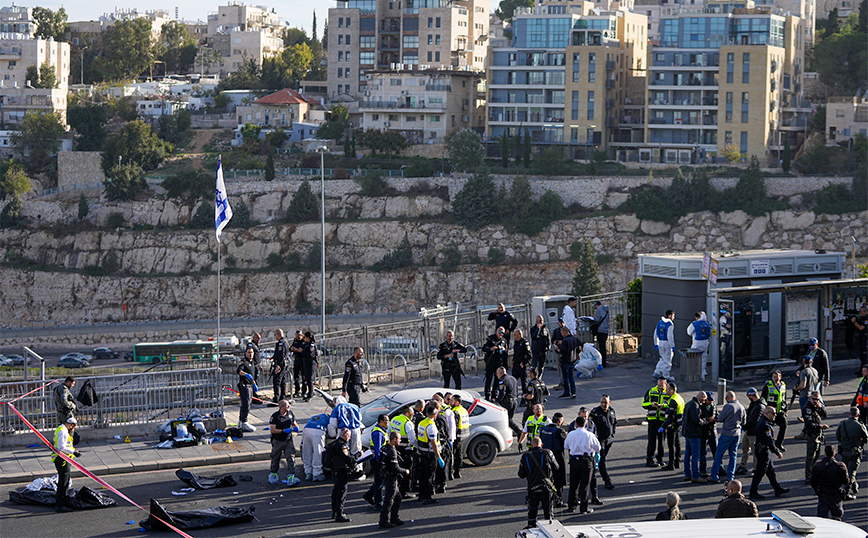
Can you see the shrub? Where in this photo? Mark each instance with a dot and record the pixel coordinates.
(203, 218)
(293, 261)
(837, 199)
(340, 173)
(304, 206)
(93, 270)
(274, 260)
(473, 207)
(110, 264)
(189, 184)
(373, 183)
(314, 256)
(115, 220)
(311, 160)
(83, 207)
(552, 162)
(11, 217)
(465, 149)
(451, 258)
(420, 167)
(125, 182)
(240, 216)
(399, 258)
(495, 256)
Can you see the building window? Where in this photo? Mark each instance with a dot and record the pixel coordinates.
(745, 68)
(575, 107)
(745, 103)
(434, 118)
(730, 66)
(349, 22)
(430, 22)
(340, 39)
(590, 105)
(367, 41)
(340, 73)
(366, 58)
(340, 22)
(437, 39)
(430, 56)
(411, 118)
(743, 148)
(347, 39)
(437, 22)
(394, 82)
(347, 72)
(340, 55)
(411, 42)
(437, 56)
(727, 138)
(430, 39)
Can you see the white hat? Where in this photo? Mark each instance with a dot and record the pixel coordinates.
(71, 420)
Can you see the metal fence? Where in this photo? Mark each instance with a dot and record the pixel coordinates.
(625, 310)
(144, 398)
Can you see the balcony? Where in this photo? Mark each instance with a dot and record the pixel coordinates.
(610, 84)
(611, 122)
(610, 103)
(393, 105)
(610, 65)
(10, 53)
(438, 88)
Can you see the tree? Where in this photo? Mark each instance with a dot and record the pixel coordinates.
(465, 150)
(240, 215)
(136, 143)
(83, 207)
(179, 47)
(393, 143)
(204, 217)
(50, 24)
(733, 154)
(128, 50)
(42, 77)
(189, 184)
(397, 259)
(313, 27)
(287, 68)
(844, 64)
(787, 157)
(125, 182)
(862, 26)
(304, 206)
(520, 201)
(506, 8)
(269, 165)
(473, 205)
(336, 126)
(552, 162)
(38, 137)
(504, 149)
(14, 181)
(586, 280)
(527, 148)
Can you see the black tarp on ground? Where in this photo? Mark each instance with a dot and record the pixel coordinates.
(205, 482)
(83, 499)
(207, 518)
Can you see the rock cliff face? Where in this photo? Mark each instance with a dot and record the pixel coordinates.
(162, 262)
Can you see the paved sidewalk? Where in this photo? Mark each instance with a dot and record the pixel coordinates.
(626, 381)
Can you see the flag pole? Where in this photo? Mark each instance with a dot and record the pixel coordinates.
(222, 216)
(219, 265)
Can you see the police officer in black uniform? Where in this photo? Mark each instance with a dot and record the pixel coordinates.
(447, 353)
(521, 358)
(353, 383)
(495, 352)
(309, 361)
(503, 318)
(343, 462)
(538, 466)
(257, 358)
(553, 437)
(279, 366)
(829, 479)
(604, 420)
(534, 393)
(507, 397)
(765, 443)
(297, 348)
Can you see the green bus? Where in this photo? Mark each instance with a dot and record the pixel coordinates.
(192, 350)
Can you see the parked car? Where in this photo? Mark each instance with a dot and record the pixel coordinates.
(128, 356)
(18, 360)
(5, 361)
(489, 426)
(73, 362)
(105, 353)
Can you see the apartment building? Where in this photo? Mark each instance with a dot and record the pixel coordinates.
(567, 74)
(846, 117)
(239, 32)
(79, 30)
(17, 97)
(365, 35)
(719, 78)
(425, 105)
(17, 20)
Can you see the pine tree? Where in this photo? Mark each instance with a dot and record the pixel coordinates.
(474, 205)
(586, 280)
(83, 207)
(787, 157)
(527, 148)
(269, 165)
(304, 206)
(313, 29)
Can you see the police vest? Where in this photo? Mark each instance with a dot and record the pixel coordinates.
(462, 421)
(57, 443)
(533, 426)
(658, 396)
(422, 435)
(399, 424)
(662, 329)
(679, 409)
(701, 330)
(777, 396)
(385, 433)
(549, 439)
(862, 393)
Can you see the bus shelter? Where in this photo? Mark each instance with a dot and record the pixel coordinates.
(751, 321)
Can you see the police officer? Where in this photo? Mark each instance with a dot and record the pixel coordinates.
(257, 358)
(503, 318)
(353, 384)
(429, 454)
(462, 429)
(507, 398)
(829, 480)
(605, 421)
(852, 437)
(447, 353)
(655, 403)
(64, 401)
(775, 393)
(553, 437)
(297, 348)
(391, 471)
(63, 443)
(445, 423)
(279, 365)
(309, 361)
(533, 394)
(765, 444)
(540, 343)
(246, 387)
(813, 414)
(402, 424)
(379, 439)
(521, 358)
(495, 353)
(343, 462)
(672, 426)
(538, 466)
(533, 426)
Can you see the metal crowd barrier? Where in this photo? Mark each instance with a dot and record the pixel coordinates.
(394, 361)
(143, 398)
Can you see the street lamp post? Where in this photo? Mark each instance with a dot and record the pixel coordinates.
(82, 65)
(322, 150)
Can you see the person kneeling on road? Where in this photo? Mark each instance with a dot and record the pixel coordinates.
(312, 446)
(283, 425)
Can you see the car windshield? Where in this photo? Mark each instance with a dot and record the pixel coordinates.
(382, 405)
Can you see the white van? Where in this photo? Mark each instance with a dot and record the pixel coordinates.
(781, 524)
(397, 345)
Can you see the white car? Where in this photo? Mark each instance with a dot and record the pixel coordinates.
(5, 361)
(77, 355)
(489, 426)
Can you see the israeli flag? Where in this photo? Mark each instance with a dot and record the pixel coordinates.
(222, 211)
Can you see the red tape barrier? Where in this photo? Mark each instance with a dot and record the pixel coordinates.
(31, 392)
(255, 398)
(89, 474)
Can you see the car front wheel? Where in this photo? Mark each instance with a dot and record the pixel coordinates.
(482, 450)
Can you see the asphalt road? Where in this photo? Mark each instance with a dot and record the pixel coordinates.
(486, 502)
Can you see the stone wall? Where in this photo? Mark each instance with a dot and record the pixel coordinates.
(79, 167)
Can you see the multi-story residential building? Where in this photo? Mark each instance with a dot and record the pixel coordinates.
(719, 78)
(17, 20)
(79, 30)
(282, 109)
(381, 34)
(424, 105)
(567, 74)
(17, 95)
(239, 32)
(846, 117)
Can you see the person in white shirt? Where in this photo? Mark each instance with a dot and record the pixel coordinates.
(569, 314)
(582, 446)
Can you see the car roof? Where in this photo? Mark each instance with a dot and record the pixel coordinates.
(425, 393)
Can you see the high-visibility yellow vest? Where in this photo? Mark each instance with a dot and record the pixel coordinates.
(679, 410)
(377, 428)
(422, 435)
(57, 443)
(398, 424)
(658, 396)
(533, 426)
(463, 421)
(777, 396)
